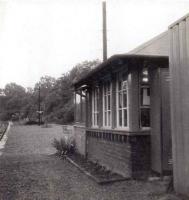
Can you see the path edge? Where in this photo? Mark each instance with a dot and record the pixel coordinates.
(93, 177)
(5, 136)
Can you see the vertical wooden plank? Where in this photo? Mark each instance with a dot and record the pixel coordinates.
(172, 102)
(156, 162)
(165, 120)
(185, 80)
(182, 90)
(179, 68)
(177, 95)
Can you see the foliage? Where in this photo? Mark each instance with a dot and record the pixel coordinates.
(56, 97)
(31, 122)
(63, 146)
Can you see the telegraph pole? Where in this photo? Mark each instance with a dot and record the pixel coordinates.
(39, 107)
(104, 32)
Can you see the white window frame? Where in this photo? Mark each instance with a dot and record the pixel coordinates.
(144, 75)
(95, 111)
(118, 109)
(107, 121)
(144, 106)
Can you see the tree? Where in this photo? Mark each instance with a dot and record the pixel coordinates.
(56, 96)
(13, 100)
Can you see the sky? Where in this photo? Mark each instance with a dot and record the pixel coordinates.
(49, 37)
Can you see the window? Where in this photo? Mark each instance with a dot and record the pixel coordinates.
(122, 102)
(83, 106)
(107, 104)
(144, 99)
(77, 107)
(80, 112)
(95, 100)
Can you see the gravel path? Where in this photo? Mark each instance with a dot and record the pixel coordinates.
(29, 170)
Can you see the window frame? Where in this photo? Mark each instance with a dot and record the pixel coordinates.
(107, 122)
(95, 107)
(123, 108)
(147, 86)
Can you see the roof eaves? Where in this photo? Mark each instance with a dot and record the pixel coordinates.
(117, 56)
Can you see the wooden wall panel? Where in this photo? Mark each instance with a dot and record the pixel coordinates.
(165, 120)
(179, 68)
(155, 116)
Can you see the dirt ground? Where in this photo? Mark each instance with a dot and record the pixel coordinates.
(30, 170)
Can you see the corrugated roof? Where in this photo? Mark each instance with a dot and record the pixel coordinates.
(158, 45)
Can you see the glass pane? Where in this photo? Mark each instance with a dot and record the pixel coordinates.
(145, 117)
(148, 91)
(125, 117)
(94, 104)
(120, 100)
(145, 97)
(145, 79)
(105, 118)
(145, 76)
(124, 99)
(145, 71)
(109, 106)
(105, 102)
(124, 85)
(97, 119)
(83, 108)
(93, 119)
(109, 118)
(108, 87)
(78, 99)
(119, 85)
(120, 117)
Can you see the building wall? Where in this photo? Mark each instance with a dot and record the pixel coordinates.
(155, 92)
(126, 150)
(160, 121)
(156, 46)
(166, 121)
(127, 155)
(80, 139)
(179, 67)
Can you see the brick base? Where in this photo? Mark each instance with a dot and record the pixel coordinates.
(126, 155)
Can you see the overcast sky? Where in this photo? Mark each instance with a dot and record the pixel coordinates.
(48, 37)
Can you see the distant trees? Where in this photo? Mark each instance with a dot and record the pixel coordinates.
(56, 96)
(12, 100)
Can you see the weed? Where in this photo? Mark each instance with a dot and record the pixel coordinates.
(64, 147)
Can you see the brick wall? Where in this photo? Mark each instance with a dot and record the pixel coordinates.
(127, 155)
(140, 155)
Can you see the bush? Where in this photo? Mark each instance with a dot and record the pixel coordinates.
(32, 122)
(63, 146)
